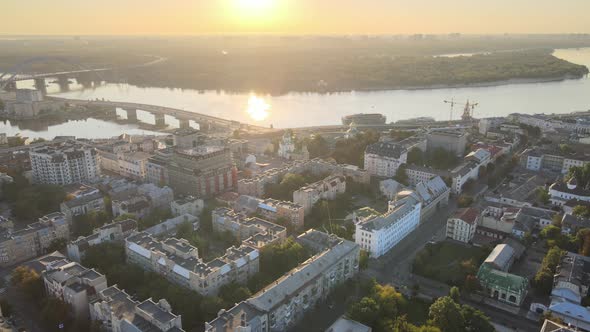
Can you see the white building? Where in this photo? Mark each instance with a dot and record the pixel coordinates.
(286, 145)
(461, 226)
(74, 284)
(160, 197)
(383, 158)
(378, 234)
(80, 200)
(64, 163)
(561, 192)
(433, 195)
(326, 189)
(115, 231)
(187, 205)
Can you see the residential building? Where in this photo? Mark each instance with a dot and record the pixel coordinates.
(81, 199)
(34, 240)
(417, 174)
(157, 167)
(570, 287)
(378, 234)
(133, 165)
(179, 262)
(64, 163)
(344, 324)
(116, 311)
(327, 189)
(499, 219)
(433, 195)
(481, 156)
(115, 231)
(453, 141)
(137, 206)
(271, 209)
(74, 284)
(187, 205)
(170, 226)
(389, 188)
(251, 231)
(468, 170)
(384, 158)
(561, 192)
(159, 197)
(202, 171)
(461, 226)
(283, 303)
(554, 160)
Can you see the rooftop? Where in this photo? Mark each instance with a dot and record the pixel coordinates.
(386, 149)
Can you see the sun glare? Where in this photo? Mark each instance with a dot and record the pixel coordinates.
(255, 11)
(257, 108)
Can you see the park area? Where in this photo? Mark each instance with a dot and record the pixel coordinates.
(449, 262)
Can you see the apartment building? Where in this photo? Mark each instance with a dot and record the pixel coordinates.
(251, 231)
(271, 209)
(33, 241)
(157, 167)
(138, 206)
(327, 189)
(115, 231)
(64, 163)
(169, 227)
(81, 199)
(454, 141)
(187, 205)
(283, 303)
(462, 225)
(74, 284)
(116, 311)
(133, 165)
(202, 171)
(561, 192)
(384, 158)
(378, 233)
(159, 197)
(433, 194)
(179, 262)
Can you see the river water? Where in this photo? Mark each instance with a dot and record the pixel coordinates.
(310, 109)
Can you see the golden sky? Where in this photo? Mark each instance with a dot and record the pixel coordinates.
(191, 17)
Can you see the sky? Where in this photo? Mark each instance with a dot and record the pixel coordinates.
(194, 17)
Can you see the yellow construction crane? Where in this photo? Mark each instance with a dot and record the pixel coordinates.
(467, 111)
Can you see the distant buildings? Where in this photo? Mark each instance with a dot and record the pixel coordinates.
(364, 119)
(461, 226)
(170, 226)
(116, 311)
(326, 189)
(554, 160)
(384, 159)
(251, 231)
(283, 303)
(179, 262)
(377, 234)
(74, 284)
(157, 167)
(133, 165)
(159, 197)
(137, 206)
(272, 209)
(64, 163)
(496, 282)
(34, 240)
(451, 140)
(115, 231)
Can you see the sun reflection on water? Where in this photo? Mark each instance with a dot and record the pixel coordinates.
(258, 108)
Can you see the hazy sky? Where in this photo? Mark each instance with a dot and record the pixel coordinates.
(189, 17)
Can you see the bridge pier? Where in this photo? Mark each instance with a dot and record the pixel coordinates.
(40, 85)
(131, 114)
(160, 119)
(64, 83)
(184, 123)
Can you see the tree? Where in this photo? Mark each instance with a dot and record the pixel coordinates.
(366, 311)
(364, 260)
(401, 176)
(57, 244)
(84, 224)
(233, 293)
(543, 281)
(464, 201)
(416, 157)
(278, 258)
(53, 313)
(6, 308)
(582, 211)
(2, 105)
(455, 294)
(471, 284)
(317, 146)
(543, 195)
(475, 320)
(27, 281)
(445, 314)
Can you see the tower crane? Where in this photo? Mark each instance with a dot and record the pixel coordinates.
(467, 111)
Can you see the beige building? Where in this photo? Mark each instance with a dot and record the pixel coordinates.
(461, 226)
(179, 262)
(81, 199)
(33, 241)
(283, 303)
(251, 231)
(74, 284)
(271, 209)
(133, 165)
(327, 189)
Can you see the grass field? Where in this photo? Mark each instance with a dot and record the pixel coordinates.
(449, 262)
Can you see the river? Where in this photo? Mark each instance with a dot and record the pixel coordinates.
(310, 109)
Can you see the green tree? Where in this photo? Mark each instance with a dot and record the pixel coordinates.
(401, 176)
(475, 320)
(366, 311)
(464, 201)
(543, 195)
(278, 258)
(455, 294)
(446, 315)
(53, 313)
(84, 224)
(364, 260)
(416, 157)
(582, 211)
(57, 244)
(233, 293)
(543, 281)
(317, 146)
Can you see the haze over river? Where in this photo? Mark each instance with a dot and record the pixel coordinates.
(310, 109)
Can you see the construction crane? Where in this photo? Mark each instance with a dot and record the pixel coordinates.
(467, 111)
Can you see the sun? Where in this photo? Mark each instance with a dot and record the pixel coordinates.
(258, 108)
(255, 11)
(255, 5)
